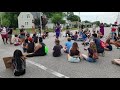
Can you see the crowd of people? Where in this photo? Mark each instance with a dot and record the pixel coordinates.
(34, 46)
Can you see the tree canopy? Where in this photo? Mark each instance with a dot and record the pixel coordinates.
(73, 17)
(10, 19)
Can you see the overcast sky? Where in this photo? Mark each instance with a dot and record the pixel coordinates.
(105, 17)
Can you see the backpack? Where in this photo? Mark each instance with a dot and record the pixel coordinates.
(46, 49)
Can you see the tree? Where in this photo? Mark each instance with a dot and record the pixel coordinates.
(48, 14)
(57, 17)
(10, 19)
(97, 23)
(72, 18)
(87, 21)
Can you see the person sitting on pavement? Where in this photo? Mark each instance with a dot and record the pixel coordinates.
(25, 44)
(57, 48)
(75, 37)
(94, 35)
(99, 34)
(67, 32)
(92, 53)
(39, 49)
(116, 43)
(108, 46)
(19, 63)
(97, 41)
(74, 54)
(68, 45)
(30, 46)
(16, 40)
(35, 38)
(87, 41)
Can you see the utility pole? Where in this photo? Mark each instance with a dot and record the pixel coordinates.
(78, 21)
(40, 22)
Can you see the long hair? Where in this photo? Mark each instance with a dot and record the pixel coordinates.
(74, 47)
(17, 58)
(108, 41)
(93, 46)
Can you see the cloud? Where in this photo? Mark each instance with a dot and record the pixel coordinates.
(105, 17)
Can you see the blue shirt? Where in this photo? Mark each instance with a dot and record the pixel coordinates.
(68, 45)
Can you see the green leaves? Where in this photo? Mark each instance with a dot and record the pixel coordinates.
(58, 17)
(73, 17)
(10, 19)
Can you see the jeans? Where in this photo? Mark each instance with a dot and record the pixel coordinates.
(112, 35)
(89, 59)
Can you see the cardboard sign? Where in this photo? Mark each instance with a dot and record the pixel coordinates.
(8, 62)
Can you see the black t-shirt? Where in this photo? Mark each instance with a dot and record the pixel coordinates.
(35, 38)
(94, 35)
(30, 47)
(57, 50)
(74, 53)
(22, 32)
(41, 51)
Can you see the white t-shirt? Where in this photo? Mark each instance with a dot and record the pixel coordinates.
(4, 31)
(16, 40)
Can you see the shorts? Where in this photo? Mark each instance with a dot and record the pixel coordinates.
(22, 36)
(4, 35)
(57, 34)
(73, 59)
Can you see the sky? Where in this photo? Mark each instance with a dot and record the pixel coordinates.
(104, 17)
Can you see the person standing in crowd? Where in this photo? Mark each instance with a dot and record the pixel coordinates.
(10, 31)
(102, 28)
(58, 30)
(4, 35)
(113, 30)
(22, 35)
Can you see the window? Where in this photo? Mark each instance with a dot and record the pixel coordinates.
(28, 15)
(26, 23)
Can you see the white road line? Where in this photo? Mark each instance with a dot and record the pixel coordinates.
(48, 70)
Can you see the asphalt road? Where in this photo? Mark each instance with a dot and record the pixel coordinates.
(58, 67)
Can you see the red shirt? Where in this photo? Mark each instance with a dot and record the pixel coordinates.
(113, 29)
